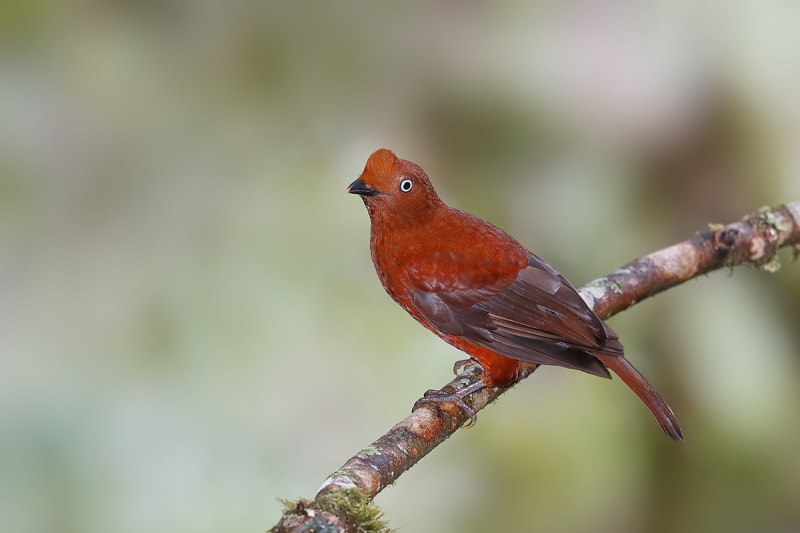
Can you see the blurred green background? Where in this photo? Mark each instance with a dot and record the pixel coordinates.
(190, 324)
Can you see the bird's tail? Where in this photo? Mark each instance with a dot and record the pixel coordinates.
(636, 382)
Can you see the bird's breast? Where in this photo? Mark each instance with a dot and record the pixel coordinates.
(450, 253)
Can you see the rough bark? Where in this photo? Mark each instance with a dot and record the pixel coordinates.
(754, 240)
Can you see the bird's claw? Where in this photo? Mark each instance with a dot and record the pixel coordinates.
(440, 396)
(463, 363)
(456, 398)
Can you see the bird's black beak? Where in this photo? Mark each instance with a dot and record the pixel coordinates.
(359, 187)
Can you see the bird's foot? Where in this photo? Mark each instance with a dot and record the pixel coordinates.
(456, 398)
(463, 364)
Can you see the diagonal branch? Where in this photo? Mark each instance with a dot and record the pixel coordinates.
(754, 240)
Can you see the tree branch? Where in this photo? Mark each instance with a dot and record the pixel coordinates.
(754, 240)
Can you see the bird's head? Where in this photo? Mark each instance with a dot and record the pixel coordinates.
(395, 188)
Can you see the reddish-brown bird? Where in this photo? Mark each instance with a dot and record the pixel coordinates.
(481, 291)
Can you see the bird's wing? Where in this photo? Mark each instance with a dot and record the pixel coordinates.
(539, 317)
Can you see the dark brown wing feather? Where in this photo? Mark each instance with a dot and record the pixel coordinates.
(539, 318)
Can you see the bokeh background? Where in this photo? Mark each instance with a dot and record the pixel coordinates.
(190, 324)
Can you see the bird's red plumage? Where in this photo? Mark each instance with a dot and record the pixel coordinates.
(481, 291)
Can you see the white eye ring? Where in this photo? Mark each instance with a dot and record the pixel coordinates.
(406, 185)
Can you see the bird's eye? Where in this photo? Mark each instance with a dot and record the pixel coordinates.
(406, 185)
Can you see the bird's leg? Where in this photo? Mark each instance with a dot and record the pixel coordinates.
(463, 363)
(457, 398)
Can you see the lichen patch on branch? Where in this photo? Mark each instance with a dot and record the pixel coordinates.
(342, 511)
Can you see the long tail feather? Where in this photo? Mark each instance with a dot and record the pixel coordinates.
(636, 382)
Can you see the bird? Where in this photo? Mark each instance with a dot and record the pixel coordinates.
(481, 291)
